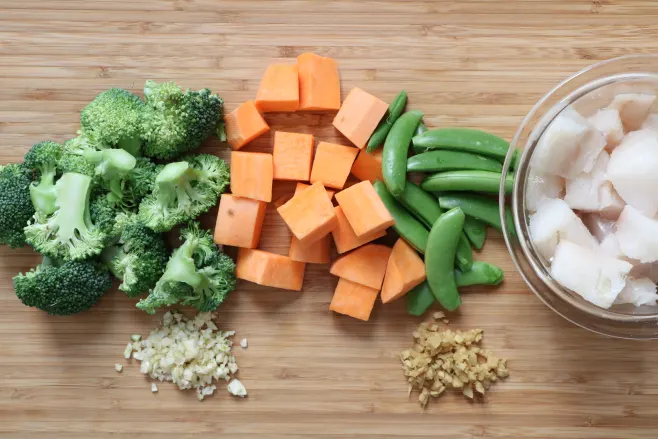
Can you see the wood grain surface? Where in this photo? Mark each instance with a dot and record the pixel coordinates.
(310, 373)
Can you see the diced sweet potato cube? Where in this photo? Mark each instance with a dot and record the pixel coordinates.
(345, 238)
(318, 252)
(279, 89)
(353, 299)
(332, 164)
(292, 156)
(302, 186)
(368, 166)
(252, 175)
(359, 116)
(405, 270)
(244, 124)
(319, 83)
(366, 265)
(364, 209)
(239, 221)
(269, 269)
(309, 214)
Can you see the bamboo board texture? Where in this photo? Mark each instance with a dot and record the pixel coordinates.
(310, 373)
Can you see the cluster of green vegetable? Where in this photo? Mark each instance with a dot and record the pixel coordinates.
(98, 205)
(448, 212)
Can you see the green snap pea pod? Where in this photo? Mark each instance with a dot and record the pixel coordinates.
(473, 181)
(444, 160)
(440, 258)
(464, 253)
(481, 273)
(396, 149)
(421, 128)
(462, 139)
(419, 299)
(422, 205)
(426, 208)
(393, 113)
(476, 231)
(413, 231)
(515, 159)
(479, 207)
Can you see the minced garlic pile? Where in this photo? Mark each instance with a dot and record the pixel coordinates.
(442, 359)
(190, 353)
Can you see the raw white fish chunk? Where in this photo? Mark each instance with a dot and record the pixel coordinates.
(610, 247)
(633, 170)
(633, 108)
(597, 278)
(582, 192)
(651, 123)
(638, 292)
(541, 187)
(554, 221)
(610, 203)
(568, 147)
(609, 123)
(637, 235)
(598, 226)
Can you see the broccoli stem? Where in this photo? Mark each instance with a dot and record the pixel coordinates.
(43, 194)
(73, 191)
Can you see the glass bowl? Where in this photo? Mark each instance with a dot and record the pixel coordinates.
(587, 91)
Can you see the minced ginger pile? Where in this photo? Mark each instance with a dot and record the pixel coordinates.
(442, 359)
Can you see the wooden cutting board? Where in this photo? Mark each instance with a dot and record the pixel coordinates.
(310, 373)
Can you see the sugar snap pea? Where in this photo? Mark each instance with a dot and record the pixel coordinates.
(426, 208)
(396, 149)
(422, 205)
(440, 160)
(421, 128)
(462, 139)
(479, 207)
(474, 181)
(481, 273)
(413, 231)
(440, 258)
(476, 231)
(419, 299)
(394, 111)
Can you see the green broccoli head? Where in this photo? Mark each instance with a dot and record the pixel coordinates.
(139, 257)
(178, 121)
(16, 207)
(63, 288)
(68, 233)
(73, 157)
(211, 170)
(182, 192)
(197, 274)
(142, 179)
(43, 159)
(113, 119)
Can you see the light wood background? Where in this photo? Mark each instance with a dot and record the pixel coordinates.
(310, 373)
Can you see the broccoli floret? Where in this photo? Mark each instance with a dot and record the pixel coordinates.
(183, 190)
(68, 233)
(73, 159)
(43, 159)
(142, 179)
(113, 119)
(138, 259)
(197, 275)
(177, 121)
(104, 215)
(63, 288)
(16, 207)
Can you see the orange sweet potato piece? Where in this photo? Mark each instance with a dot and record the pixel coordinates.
(366, 265)
(364, 209)
(345, 238)
(239, 221)
(302, 186)
(279, 89)
(309, 214)
(405, 270)
(368, 166)
(252, 175)
(359, 116)
(269, 269)
(353, 300)
(292, 156)
(332, 164)
(319, 83)
(282, 200)
(243, 125)
(318, 252)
